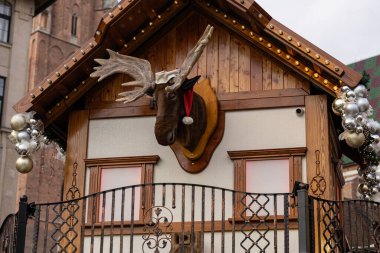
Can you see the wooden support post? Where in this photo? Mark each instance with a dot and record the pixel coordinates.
(76, 153)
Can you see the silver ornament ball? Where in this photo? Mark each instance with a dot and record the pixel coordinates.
(351, 109)
(359, 129)
(22, 148)
(23, 136)
(359, 119)
(345, 89)
(370, 148)
(350, 96)
(363, 104)
(24, 164)
(32, 121)
(376, 138)
(361, 91)
(349, 123)
(338, 106)
(35, 133)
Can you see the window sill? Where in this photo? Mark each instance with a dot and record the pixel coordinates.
(5, 44)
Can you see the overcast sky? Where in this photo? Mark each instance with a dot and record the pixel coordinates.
(349, 30)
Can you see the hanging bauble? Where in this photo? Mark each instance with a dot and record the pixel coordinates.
(376, 146)
(363, 104)
(362, 188)
(361, 91)
(338, 105)
(350, 96)
(349, 123)
(370, 176)
(351, 109)
(13, 136)
(32, 121)
(33, 146)
(359, 130)
(24, 164)
(355, 140)
(45, 140)
(18, 122)
(370, 148)
(376, 138)
(35, 133)
(22, 148)
(359, 119)
(366, 197)
(23, 136)
(373, 126)
(345, 88)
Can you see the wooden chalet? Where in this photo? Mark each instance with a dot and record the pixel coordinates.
(274, 91)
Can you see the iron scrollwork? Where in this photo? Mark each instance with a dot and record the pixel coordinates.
(158, 225)
(318, 183)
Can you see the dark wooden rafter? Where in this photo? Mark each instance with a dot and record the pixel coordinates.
(128, 26)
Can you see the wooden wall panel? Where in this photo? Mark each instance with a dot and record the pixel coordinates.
(256, 70)
(224, 62)
(234, 66)
(244, 67)
(231, 63)
(267, 73)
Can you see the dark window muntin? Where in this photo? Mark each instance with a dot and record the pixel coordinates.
(2, 89)
(5, 16)
(74, 23)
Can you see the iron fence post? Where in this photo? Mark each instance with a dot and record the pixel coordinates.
(22, 219)
(303, 221)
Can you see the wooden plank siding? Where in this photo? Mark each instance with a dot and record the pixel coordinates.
(231, 63)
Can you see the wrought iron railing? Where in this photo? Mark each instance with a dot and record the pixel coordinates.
(345, 226)
(8, 234)
(165, 218)
(192, 218)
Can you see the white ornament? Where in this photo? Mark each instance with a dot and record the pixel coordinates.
(187, 120)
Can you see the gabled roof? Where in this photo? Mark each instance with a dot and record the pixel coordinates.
(133, 22)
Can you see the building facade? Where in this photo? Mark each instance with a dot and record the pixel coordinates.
(35, 36)
(15, 27)
(274, 122)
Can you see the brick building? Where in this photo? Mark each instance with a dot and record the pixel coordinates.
(58, 31)
(16, 19)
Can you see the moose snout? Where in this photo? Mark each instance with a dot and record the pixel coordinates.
(165, 135)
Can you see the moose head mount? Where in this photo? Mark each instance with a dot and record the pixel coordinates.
(181, 113)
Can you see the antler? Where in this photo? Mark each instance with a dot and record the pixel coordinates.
(191, 58)
(137, 68)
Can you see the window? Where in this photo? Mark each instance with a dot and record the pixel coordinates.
(74, 23)
(107, 4)
(266, 171)
(109, 173)
(5, 20)
(2, 88)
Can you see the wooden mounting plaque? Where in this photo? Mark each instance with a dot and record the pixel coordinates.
(197, 160)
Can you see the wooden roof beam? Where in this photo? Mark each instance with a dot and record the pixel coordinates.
(308, 50)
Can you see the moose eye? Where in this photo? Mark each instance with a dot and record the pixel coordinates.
(171, 95)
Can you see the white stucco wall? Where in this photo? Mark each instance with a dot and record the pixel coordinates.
(138, 242)
(244, 130)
